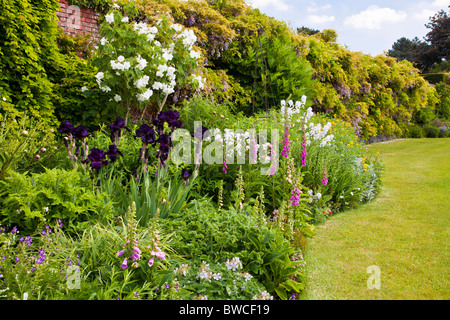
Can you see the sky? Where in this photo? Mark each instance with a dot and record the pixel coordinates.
(371, 27)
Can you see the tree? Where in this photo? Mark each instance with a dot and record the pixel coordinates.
(402, 49)
(307, 31)
(435, 48)
(439, 36)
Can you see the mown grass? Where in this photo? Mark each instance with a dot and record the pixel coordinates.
(404, 231)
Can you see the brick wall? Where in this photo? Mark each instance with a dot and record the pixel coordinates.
(76, 20)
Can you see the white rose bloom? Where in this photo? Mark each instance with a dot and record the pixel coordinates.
(121, 59)
(117, 98)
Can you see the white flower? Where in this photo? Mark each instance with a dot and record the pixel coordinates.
(194, 54)
(25, 296)
(126, 65)
(142, 63)
(234, 264)
(45, 209)
(166, 55)
(199, 80)
(83, 89)
(121, 59)
(103, 41)
(247, 276)
(117, 98)
(4, 99)
(157, 43)
(105, 89)
(217, 276)
(318, 195)
(142, 82)
(99, 76)
(158, 85)
(177, 27)
(145, 96)
(124, 20)
(109, 18)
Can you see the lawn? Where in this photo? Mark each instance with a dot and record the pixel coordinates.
(404, 231)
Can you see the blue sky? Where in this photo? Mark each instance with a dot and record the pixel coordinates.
(367, 26)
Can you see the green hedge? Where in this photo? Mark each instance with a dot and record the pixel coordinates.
(436, 78)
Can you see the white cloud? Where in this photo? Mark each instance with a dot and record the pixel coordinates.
(373, 17)
(440, 3)
(320, 19)
(424, 14)
(313, 7)
(263, 4)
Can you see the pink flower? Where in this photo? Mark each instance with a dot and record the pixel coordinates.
(285, 152)
(124, 264)
(325, 179)
(120, 253)
(150, 262)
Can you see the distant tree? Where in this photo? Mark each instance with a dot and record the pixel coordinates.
(402, 49)
(439, 36)
(307, 31)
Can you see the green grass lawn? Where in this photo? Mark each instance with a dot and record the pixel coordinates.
(404, 231)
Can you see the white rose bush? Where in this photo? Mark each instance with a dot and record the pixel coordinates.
(141, 64)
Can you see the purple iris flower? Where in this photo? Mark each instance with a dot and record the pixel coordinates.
(65, 127)
(170, 117)
(97, 159)
(185, 174)
(116, 128)
(113, 152)
(146, 133)
(80, 132)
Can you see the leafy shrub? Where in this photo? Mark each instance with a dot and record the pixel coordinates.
(415, 131)
(203, 234)
(431, 131)
(67, 195)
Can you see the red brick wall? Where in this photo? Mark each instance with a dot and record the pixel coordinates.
(76, 20)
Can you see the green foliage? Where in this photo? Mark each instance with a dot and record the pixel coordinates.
(67, 195)
(443, 106)
(415, 131)
(436, 78)
(203, 234)
(431, 131)
(25, 145)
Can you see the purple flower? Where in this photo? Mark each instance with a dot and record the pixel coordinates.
(119, 253)
(97, 159)
(303, 155)
(185, 174)
(124, 264)
(116, 128)
(164, 139)
(14, 230)
(170, 117)
(113, 152)
(146, 133)
(65, 127)
(80, 132)
(285, 152)
(325, 179)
